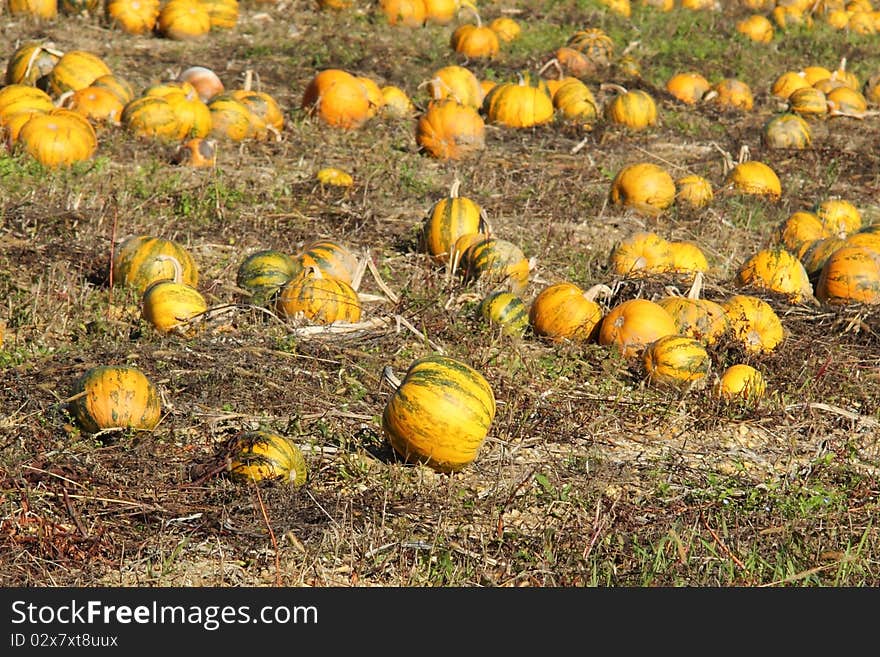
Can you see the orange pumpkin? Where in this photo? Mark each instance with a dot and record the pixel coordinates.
(318, 298)
(337, 98)
(632, 325)
(449, 130)
(644, 187)
(753, 323)
(563, 311)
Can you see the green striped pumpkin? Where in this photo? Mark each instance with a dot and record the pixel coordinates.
(318, 298)
(152, 117)
(440, 413)
(262, 454)
(115, 397)
(787, 130)
(263, 273)
(140, 260)
(497, 260)
(75, 69)
(676, 361)
(449, 219)
(778, 270)
(506, 310)
(31, 61)
(333, 258)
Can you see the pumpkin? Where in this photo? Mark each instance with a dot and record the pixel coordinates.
(440, 12)
(396, 102)
(332, 257)
(644, 187)
(115, 84)
(594, 43)
(318, 298)
(223, 13)
(140, 260)
(687, 259)
(788, 82)
(521, 104)
(753, 323)
(337, 98)
(449, 219)
(193, 116)
(756, 178)
(133, 16)
(871, 89)
(496, 261)
(730, 93)
(787, 130)
(676, 361)
(798, 231)
(449, 130)
(262, 454)
(808, 101)
(635, 109)
(693, 191)
(115, 397)
(789, 17)
(563, 311)
(815, 254)
(851, 275)
(695, 316)
(839, 216)
(60, 137)
(263, 273)
(506, 28)
(620, 7)
(183, 20)
(845, 101)
(75, 69)
(31, 62)
(633, 324)
(439, 414)
(740, 381)
(197, 152)
(97, 104)
(233, 120)
(204, 80)
(266, 114)
(170, 306)
(574, 101)
(46, 9)
(78, 7)
(150, 117)
(573, 62)
(457, 82)
(506, 310)
(776, 269)
(374, 95)
(641, 253)
(334, 177)
(756, 27)
(689, 87)
(475, 41)
(407, 13)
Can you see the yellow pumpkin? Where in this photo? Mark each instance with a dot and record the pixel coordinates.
(439, 414)
(449, 219)
(58, 138)
(475, 41)
(753, 323)
(756, 27)
(641, 253)
(730, 93)
(839, 216)
(564, 311)
(183, 20)
(632, 325)
(694, 191)
(140, 260)
(756, 178)
(798, 231)
(633, 108)
(695, 316)
(457, 82)
(689, 87)
(449, 130)
(521, 104)
(496, 261)
(787, 130)
(740, 381)
(261, 454)
(115, 397)
(644, 187)
(778, 270)
(171, 306)
(318, 298)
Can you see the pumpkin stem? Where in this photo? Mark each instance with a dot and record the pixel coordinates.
(611, 86)
(453, 189)
(632, 45)
(390, 377)
(248, 79)
(696, 286)
(484, 226)
(554, 62)
(472, 9)
(727, 159)
(178, 268)
(599, 288)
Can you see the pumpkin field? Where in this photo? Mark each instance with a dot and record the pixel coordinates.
(440, 293)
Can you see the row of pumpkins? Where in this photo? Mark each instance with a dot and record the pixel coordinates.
(174, 19)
